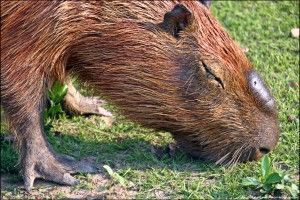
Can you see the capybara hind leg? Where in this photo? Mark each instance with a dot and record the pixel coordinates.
(79, 104)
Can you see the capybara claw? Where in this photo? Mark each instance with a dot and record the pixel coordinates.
(104, 112)
(28, 183)
(69, 180)
(65, 179)
(55, 168)
(57, 175)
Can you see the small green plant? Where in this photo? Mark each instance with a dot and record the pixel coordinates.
(271, 180)
(56, 95)
(117, 178)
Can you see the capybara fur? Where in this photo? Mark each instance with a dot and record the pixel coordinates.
(168, 65)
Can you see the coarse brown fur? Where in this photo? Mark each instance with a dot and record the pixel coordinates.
(158, 80)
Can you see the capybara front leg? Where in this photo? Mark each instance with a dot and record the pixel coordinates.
(79, 104)
(23, 108)
(38, 160)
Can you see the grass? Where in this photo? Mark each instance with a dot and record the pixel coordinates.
(264, 28)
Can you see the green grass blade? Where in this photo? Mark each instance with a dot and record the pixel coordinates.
(115, 176)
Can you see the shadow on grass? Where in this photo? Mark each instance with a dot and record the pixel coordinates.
(118, 153)
(126, 152)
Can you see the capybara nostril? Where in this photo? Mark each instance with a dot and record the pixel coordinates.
(264, 150)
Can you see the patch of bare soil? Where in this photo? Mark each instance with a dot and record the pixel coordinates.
(97, 186)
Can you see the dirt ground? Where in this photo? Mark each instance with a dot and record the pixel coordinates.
(96, 186)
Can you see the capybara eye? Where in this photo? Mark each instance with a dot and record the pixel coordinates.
(210, 75)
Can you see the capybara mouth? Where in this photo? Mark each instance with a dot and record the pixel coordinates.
(241, 155)
(227, 156)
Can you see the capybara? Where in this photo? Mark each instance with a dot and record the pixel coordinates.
(168, 65)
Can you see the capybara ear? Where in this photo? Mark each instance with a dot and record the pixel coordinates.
(207, 3)
(176, 20)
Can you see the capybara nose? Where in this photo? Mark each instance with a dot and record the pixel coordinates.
(264, 150)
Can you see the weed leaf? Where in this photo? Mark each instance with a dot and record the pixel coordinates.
(265, 166)
(267, 188)
(273, 178)
(56, 96)
(250, 181)
(58, 92)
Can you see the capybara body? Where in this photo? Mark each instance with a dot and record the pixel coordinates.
(168, 65)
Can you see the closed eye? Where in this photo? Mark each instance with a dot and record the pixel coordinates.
(212, 76)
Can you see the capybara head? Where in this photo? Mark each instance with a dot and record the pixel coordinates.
(184, 75)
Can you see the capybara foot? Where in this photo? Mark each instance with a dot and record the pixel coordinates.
(76, 103)
(93, 105)
(56, 168)
(89, 105)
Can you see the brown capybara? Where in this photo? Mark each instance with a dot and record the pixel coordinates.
(168, 65)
